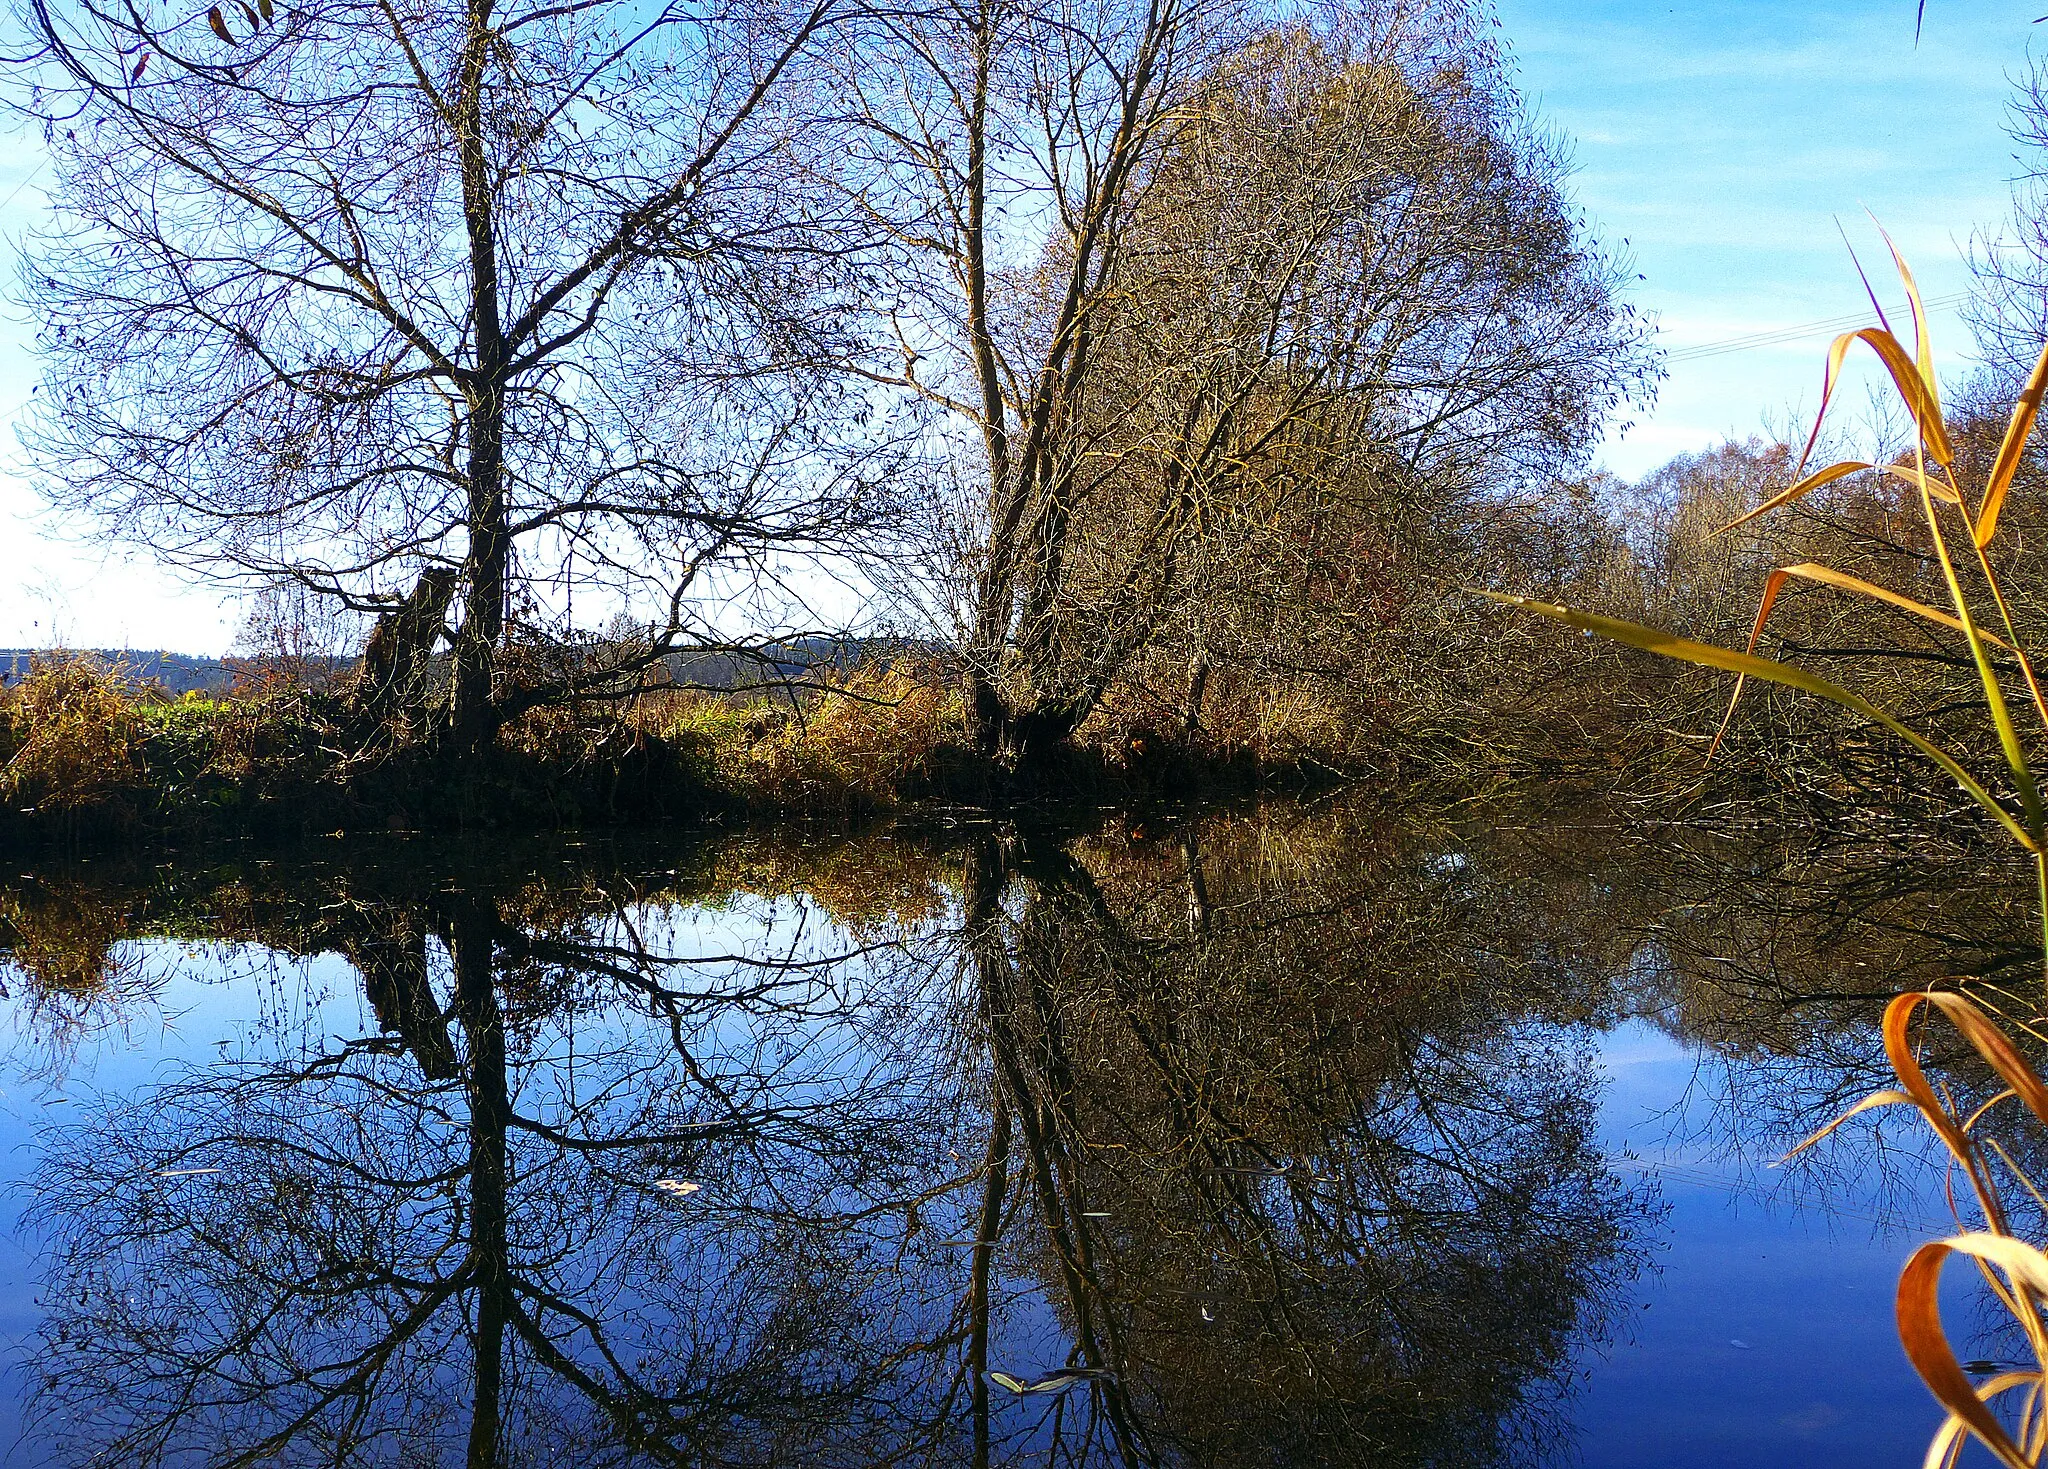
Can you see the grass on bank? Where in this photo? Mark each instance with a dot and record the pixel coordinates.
(80, 741)
(87, 751)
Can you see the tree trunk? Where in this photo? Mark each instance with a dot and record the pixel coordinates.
(389, 688)
(1017, 739)
(985, 878)
(476, 1004)
(1198, 686)
(474, 716)
(985, 712)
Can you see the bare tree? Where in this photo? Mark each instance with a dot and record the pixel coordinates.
(2010, 310)
(294, 637)
(441, 304)
(1162, 265)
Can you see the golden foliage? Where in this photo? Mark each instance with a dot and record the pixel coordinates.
(868, 737)
(872, 737)
(74, 732)
(63, 935)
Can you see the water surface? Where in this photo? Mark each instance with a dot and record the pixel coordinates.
(1300, 1136)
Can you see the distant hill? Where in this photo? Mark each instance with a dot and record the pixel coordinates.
(179, 673)
(182, 673)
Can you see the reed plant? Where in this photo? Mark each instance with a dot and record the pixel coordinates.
(2006, 1411)
(1961, 523)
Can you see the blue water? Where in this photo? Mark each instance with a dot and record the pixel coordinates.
(1764, 1335)
(1742, 1316)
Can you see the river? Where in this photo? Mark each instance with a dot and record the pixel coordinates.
(1310, 1134)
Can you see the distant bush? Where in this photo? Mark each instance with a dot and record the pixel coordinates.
(876, 737)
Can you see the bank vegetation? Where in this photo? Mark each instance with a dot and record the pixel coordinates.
(1122, 398)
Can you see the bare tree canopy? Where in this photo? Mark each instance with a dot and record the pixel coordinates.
(2010, 312)
(433, 306)
(1156, 264)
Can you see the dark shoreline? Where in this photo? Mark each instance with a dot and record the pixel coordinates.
(651, 786)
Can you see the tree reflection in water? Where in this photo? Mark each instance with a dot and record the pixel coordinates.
(1257, 1160)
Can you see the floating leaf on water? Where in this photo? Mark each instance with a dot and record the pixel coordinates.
(1058, 1381)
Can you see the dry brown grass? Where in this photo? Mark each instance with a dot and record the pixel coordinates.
(73, 732)
(869, 737)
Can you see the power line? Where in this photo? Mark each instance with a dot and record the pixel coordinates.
(26, 181)
(1774, 337)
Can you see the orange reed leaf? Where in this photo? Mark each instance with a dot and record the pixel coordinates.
(1926, 1343)
(1799, 489)
(2024, 411)
(1923, 348)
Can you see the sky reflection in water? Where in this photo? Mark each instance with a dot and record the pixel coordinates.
(1299, 1137)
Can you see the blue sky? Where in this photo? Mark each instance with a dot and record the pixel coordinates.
(1721, 141)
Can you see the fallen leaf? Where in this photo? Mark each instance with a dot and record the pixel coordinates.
(1066, 1377)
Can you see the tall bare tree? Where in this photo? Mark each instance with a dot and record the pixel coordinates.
(1161, 264)
(433, 304)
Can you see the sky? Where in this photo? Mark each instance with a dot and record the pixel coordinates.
(1731, 144)
(1718, 144)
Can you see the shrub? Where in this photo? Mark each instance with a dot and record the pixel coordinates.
(74, 733)
(874, 738)
(867, 737)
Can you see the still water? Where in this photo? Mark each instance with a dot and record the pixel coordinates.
(1298, 1136)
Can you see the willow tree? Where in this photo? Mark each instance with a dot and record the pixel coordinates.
(1160, 263)
(438, 308)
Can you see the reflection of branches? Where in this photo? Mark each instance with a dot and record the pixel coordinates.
(460, 1242)
(1276, 1170)
(62, 951)
(1280, 1233)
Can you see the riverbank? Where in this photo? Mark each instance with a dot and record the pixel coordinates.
(89, 758)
